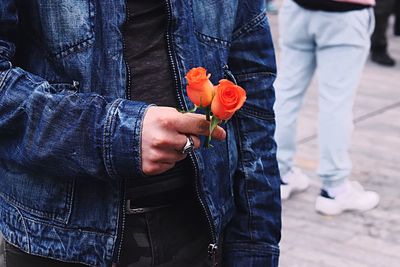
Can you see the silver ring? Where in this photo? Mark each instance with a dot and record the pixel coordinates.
(189, 146)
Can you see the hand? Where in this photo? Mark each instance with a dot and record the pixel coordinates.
(164, 134)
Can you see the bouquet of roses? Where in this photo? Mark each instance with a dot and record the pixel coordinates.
(219, 102)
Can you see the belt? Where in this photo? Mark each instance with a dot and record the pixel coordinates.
(139, 210)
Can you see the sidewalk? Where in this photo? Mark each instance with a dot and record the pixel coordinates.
(351, 239)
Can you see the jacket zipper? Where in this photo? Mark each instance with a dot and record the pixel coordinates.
(123, 218)
(213, 247)
(128, 96)
(128, 69)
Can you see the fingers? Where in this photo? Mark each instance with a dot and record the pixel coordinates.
(196, 141)
(166, 156)
(195, 124)
(174, 142)
(164, 135)
(156, 168)
(160, 159)
(156, 161)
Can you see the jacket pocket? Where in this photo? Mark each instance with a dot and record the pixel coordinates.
(260, 95)
(64, 26)
(213, 24)
(48, 198)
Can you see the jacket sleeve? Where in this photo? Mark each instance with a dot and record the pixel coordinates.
(253, 235)
(61, 133)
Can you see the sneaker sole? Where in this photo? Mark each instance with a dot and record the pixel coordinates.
(331, 208)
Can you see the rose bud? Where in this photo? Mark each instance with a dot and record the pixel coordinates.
(199, 89)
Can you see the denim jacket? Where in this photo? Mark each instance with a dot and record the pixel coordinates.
(70, 135)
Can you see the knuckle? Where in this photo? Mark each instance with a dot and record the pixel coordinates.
(196, 142)
(166, 122)
(159, 141)
(202, 127)
(216, 132)
(153, 169)
(154, 157)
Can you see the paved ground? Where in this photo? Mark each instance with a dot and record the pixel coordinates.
(352, 239)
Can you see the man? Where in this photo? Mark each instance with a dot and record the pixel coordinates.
(332, 38)
(93, 173)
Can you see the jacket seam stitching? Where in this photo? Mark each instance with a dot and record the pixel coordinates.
(69, 200)
(61, 228)
(5, 54)
(74, 47)
(245, 181)
(266, 251)
(25, 228)
(249, 26)
(257, 73)
(89, 40)
(3, 79)
(203, 37)
(263, 115)
(146, 108)
(11, 201)
(246, 246)
(108, 136)
(36, 254)
(207, 39)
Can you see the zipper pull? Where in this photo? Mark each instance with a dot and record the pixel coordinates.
(212, 253)
(75, 85)
(228, 74)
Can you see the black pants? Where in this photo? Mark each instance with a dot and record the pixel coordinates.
(174, 236)
(397, 17)
(382, 11)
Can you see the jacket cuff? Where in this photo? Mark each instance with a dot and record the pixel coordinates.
(122, 138)
(250, 254)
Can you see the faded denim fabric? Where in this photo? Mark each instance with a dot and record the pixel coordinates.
(69, 137)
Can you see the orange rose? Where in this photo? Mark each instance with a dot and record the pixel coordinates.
(228, 98)
(199, 89)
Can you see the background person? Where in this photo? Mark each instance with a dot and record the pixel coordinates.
(333, 39)
(92, 172)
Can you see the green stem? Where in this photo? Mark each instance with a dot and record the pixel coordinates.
(208, 118)
(214, 123)
(208, 113)
(207, 142)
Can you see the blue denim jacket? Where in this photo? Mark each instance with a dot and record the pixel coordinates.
(70, 136)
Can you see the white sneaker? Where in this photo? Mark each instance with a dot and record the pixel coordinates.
(295, 181)
(355, 198)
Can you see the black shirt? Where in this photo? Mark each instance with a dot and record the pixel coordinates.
(146, 53)
(329, 5)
